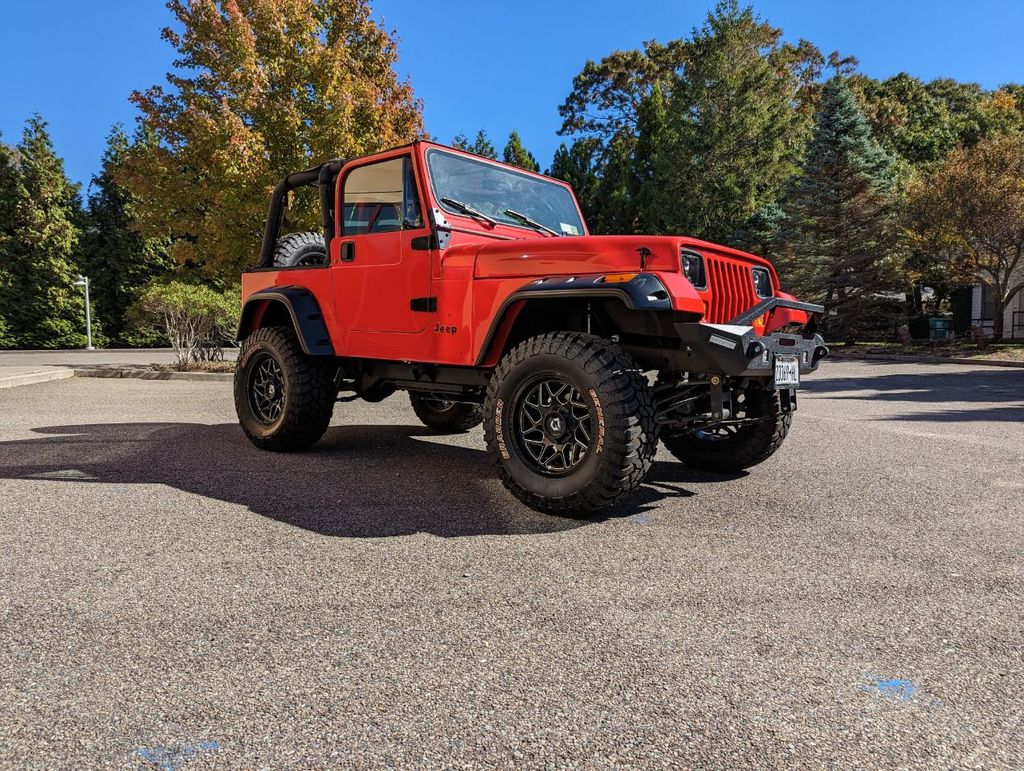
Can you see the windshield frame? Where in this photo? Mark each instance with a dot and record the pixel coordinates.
(504, 221)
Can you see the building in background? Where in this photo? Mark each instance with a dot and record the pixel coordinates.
(983, 310)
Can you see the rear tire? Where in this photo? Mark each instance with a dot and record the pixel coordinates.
(284, 398)
(570, 423)
(446, 417)
(742, 448)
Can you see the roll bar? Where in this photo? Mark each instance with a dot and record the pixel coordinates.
(323, 176)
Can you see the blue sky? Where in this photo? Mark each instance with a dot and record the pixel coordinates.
(498, 65)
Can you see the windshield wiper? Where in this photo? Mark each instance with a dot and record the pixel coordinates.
(531, 223)
(465, 208)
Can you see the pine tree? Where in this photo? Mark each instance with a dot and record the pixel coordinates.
(118, 260)
(577, 166)
(43, 307)
(645, 181)
(733, 135)
(517, 155)
(8, 200)
(615, 208)
(843, 246)
(480, 146)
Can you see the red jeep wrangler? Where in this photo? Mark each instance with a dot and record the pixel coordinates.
(475, 287)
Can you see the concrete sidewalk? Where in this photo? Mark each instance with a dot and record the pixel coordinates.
(139, 357)
(18, 376)
(19, 368)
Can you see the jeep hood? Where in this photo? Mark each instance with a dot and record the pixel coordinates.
(532, 257)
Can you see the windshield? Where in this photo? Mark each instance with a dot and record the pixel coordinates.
(493, 190)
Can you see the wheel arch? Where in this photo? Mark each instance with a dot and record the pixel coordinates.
(288, 305)
(558, 305)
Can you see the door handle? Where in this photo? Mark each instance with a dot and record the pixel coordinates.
(348, 252)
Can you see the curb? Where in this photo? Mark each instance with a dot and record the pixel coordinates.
(30, 378)
(150, 374)
(924, 359)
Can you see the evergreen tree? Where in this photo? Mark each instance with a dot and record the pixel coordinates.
(843, 246)
(517, 155)
(644, 181)
(615, 209)
(118, 260)
(606, 95)
(479, 146)
(734, 132)
(577, 166)
(43, 307)
(8, 200)
(761, 233)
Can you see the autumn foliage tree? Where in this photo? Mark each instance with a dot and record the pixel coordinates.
(970, 212)
(260, 88)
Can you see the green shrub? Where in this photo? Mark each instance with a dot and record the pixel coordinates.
(196, 319)
(6, 341)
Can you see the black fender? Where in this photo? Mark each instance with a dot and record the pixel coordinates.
(645, 292)
(302, 307)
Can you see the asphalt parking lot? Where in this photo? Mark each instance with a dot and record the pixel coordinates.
(170, 597)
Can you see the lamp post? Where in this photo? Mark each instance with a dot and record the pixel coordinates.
(83, 281)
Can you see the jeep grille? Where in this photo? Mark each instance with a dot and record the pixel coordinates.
(730, 289)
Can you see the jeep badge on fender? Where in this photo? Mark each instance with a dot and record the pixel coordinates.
(557, 342)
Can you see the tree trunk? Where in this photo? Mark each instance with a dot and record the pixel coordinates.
(997, 321)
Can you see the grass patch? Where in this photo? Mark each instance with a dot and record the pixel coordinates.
(198, 366)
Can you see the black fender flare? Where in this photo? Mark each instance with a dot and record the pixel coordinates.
(302, 306)
(645, 292)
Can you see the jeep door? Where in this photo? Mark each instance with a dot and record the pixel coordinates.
(379, 277)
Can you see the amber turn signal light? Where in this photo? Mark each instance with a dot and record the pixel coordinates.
(620, 278)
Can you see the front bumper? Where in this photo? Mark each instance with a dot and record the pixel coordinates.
(738, 351)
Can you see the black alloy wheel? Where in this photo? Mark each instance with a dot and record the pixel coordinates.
(266, 389)
(554, 425)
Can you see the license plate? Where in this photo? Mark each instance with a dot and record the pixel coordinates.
(787, 372)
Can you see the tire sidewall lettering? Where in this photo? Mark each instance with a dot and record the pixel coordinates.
(600, 421)
(499, 431)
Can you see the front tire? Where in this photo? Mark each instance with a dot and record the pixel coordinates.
(735, 448)
(444, 416)
(570, 423)
(284, 398)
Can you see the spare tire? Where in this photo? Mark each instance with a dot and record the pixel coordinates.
(300, 250)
